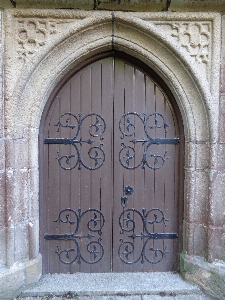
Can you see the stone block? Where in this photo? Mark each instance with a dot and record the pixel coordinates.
(3, 239)
(202, 156)
(10, 257)
(33, 147)
(133, 5)
(16, 153)
(33, 230)
(33, 270)
(1, 80)
(6, 4)
(217, 209)
(222, 117)
(216, 244)
(195, 242)
(74, 4)
(190, 155)
(221, 155)
(33, 177)
(223, 57)
(196, 5)
(209, 276)
(2, 200)
(2, 154)
(17, 196)
(21, 251)
(20, 276)
(196, 197)
(213, 153)
(11, 282)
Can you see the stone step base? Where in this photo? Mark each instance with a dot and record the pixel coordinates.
(134, 297)
(109, 286)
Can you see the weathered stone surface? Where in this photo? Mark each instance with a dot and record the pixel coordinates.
(195, 242)
(196, 5)
(210, 277)
(1, 81)
(16, 153)
(133, 5)
(2, 200)
(17, 196)
(130, 5)
(21, 250)
(32, 137)
(195, 296)
(3, 239)
(33, 270)
(221, 155)
(110, 284)
(10, 243)
(194, 37)
(197, 155)
(216, 242)
(33, 238)
(222, 118)
(14, 279)
(33, 190)
(74, 4)
(6, 4)
(223, 57)
(217, 210)
(196, 196)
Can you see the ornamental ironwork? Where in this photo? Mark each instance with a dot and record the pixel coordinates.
(129, 126)
(94, 249)
(128, 222)
(95, 129)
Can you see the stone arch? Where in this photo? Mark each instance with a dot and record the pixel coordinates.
(144, 42)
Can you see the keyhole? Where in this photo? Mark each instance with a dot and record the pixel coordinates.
(124, 201)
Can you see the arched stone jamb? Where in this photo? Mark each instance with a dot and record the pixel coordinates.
(142, 41)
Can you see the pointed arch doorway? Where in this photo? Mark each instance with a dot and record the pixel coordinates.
(111, 160)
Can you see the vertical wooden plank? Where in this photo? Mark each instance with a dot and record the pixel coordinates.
(95, 175)
(107, 169)
(139, 107)
(53, 174)
(85, 173)
(149, 174)
(75, 201)
(118, 175)
(160, 175)
(170, 196)
(128, 178)
(64, 175)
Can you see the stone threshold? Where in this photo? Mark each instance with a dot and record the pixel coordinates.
(115, 285)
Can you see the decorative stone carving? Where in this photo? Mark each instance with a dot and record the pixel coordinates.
(193, 36)
(33, 34)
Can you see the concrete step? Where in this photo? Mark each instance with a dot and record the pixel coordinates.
(109, 286)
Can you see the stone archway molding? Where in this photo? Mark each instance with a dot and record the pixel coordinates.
(41, 47)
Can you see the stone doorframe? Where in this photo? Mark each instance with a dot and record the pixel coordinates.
(41, 46)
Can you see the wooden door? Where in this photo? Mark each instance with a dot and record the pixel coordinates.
(110, 166)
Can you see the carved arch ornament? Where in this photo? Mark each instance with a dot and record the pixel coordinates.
(86, 34)
(65, 39)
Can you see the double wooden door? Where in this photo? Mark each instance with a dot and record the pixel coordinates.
(110, 163)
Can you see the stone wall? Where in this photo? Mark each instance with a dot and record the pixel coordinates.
(2, 156)
(125, 5)
(41, 46)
